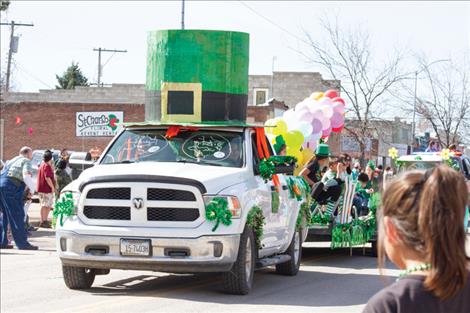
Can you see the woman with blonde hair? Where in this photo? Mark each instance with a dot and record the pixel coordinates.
(420, 230)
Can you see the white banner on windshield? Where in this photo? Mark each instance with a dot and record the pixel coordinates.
(98, 124)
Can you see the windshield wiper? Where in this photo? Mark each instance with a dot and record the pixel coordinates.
(199, 163)
(122, 162)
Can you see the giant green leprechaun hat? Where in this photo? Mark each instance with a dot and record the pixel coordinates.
(196, 76)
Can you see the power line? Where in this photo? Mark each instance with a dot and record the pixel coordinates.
(24, 70)
(273, 23)
(99, 60)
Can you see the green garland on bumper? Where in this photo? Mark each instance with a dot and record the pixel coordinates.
(64, 207)
(217, 211)
(255, 219)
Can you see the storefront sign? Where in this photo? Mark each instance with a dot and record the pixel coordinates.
(98, 124)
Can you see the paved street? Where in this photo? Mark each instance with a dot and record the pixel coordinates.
(31, 281)
(328, 282)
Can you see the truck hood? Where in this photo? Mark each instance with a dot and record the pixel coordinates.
(214, 178)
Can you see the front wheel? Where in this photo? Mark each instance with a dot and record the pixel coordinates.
(239, 279)
(291, 267)
(78, 277)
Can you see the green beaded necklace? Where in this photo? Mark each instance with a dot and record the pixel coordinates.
(417, 268)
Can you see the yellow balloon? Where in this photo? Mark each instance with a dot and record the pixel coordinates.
(307, 154)
(294, 139)
(316, 95)
(281, 127)
(295, 153)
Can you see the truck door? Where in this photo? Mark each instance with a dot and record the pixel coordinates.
(274, 204)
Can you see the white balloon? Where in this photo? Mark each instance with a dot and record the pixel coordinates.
(325, 101)
(327, 111)
(305, 128)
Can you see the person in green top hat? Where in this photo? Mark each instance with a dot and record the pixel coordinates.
(312, 170)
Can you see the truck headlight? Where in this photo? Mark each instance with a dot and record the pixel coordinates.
(232, 201)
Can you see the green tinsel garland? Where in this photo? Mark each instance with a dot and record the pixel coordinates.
(357, 233)
(217, 211)
(341, 236)
(304, 215)
(267, 166)
(320, 219)
(64, 207)
(255, 219)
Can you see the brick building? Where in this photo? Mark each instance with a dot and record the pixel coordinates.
(290, 87)
(48, 119)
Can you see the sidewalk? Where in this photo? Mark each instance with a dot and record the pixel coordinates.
(34, 214)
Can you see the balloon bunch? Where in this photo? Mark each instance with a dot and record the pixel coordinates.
(303, 126)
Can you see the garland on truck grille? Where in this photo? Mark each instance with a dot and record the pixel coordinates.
(63, 207)
(217, 211)
(255, 219)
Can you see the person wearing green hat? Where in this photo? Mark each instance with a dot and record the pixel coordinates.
(312, 170)
(280, 145)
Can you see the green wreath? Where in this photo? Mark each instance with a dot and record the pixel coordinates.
(64, 207)
(267, 166)
(255, 219)
(217, 211)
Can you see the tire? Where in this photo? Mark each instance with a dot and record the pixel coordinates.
(239, 280)
(373, 251)
(78, 277)
(291, 268)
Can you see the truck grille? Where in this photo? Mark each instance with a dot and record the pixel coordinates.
(172, 214)
(109, 193)
(107, 213)
(141, 204)
(159, 194)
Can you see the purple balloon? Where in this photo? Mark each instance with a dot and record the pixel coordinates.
(326, 132)
(337, 120)
(316, 125)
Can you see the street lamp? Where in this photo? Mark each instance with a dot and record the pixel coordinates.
(416, 98)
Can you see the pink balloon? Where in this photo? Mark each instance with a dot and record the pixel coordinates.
(326, 132)
(331, 94)
(325, 101)
(338, 107)
(316, 126)
(325, 123)
(338, 99)
(337, 120)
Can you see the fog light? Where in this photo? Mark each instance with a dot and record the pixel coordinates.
(63, 244)
(218, 248)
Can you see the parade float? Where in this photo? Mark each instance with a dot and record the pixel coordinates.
(194, 188)
(302, 129)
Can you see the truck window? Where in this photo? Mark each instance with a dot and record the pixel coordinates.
(256, 157)
(205, 147)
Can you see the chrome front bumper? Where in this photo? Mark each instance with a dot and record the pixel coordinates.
(203, 254)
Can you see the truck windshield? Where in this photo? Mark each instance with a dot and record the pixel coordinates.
(205, 147)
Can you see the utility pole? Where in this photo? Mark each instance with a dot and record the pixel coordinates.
(12, 25)
(272, 76)
(182, 14)
(99, 60)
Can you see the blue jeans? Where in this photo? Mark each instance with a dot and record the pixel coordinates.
(361, 204)
(11, 204)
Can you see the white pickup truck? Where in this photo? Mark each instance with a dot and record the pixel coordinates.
(144, 206)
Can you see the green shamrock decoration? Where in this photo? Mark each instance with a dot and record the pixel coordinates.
(217, 211)
(64, 207)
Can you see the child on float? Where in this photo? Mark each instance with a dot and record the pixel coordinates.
(420, 230)
(364, 191)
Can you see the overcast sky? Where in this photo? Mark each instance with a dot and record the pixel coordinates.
(69, 30)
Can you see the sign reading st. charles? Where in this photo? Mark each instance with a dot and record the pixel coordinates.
(98, 124)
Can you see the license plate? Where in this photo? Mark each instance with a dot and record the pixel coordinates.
(135, 247)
